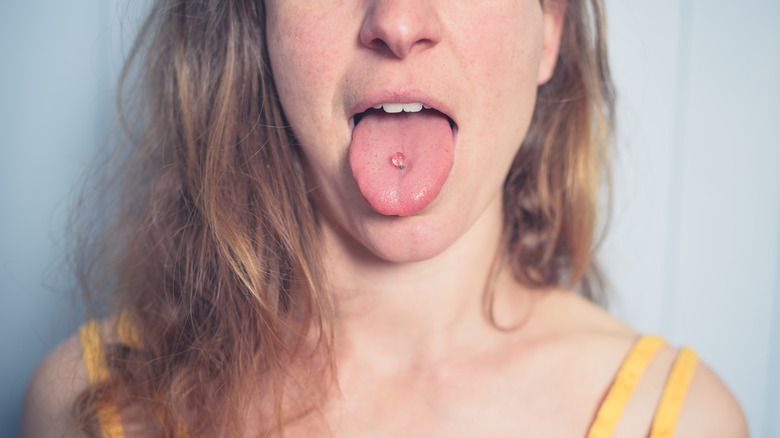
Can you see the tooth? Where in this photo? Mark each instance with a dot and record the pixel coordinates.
(412, 107)
(393, 108)
(378, 106)
(426, 107)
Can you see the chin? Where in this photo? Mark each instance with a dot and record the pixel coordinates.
(352, 227)
(410, 239)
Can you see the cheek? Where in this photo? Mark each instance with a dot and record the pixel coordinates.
(504, 50)
(503, 47)
(303, 49)
(507, 55)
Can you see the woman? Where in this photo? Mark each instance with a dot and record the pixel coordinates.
(366, 218)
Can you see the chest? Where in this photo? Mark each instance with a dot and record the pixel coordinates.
(530, 401)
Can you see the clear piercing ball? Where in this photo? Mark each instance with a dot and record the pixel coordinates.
(399, 160)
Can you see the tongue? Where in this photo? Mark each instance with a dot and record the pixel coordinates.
(424, 141)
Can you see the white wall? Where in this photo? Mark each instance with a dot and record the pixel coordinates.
(694, 247)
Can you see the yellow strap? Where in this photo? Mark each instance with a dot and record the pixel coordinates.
(126, 330)
(669, 407)
(95, 360)
(625, 381)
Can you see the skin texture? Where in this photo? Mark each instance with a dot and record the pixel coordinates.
(329, 56)
(415, 354)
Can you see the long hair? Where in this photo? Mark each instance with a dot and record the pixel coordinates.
(206, 238)
(551, 194)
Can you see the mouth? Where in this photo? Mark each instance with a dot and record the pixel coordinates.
(400, 108)
(401, 154)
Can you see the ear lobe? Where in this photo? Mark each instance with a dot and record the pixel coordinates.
(554, 12)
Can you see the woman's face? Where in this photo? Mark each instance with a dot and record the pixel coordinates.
(476, 63)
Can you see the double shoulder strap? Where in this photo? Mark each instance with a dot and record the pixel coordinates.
(95, 360)
(634, 366)
(603, 426)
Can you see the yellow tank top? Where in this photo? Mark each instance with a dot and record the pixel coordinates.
(603, 426)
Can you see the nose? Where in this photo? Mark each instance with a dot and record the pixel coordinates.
(399, 27)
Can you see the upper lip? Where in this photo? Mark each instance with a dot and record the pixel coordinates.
(401, 96)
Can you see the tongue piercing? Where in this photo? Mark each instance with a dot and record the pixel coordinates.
(399, 160)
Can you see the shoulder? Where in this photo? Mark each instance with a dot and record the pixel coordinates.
(54, 389)
(710, 409)
(52, 392)
(705, 406)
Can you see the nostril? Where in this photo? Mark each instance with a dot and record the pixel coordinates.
(397, 27)
(379, 45)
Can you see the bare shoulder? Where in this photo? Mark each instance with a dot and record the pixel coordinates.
(53, 390)
(570, 313)
(710, 409)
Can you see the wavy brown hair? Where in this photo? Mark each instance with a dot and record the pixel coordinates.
(203, 234)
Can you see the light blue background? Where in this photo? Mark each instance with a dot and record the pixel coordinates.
(694, 247)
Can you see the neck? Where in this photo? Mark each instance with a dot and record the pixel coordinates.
(418, 310)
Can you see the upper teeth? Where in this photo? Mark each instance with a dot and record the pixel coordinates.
(393, 108)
